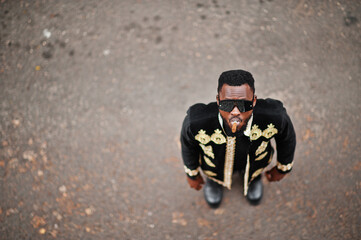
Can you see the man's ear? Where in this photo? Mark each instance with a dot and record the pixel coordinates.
(217, 97)
(254, 100)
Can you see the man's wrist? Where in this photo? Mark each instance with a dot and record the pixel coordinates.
(282, 172)
(193, 177)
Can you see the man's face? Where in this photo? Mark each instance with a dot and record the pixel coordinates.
(243, 92)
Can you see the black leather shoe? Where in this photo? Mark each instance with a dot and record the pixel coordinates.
(255, 191)
(213, 193)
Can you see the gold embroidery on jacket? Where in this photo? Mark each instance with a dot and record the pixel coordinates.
(255, 133)
(217, 181)
(191, 173)
(217, 137)
(284, 168)
(256, 173)
(229, 159)
(210, 173)
(261, 148)
(270, 131)
(209, 162)
(260, 157)
(202, 137)
(246, 174)
(208, 150)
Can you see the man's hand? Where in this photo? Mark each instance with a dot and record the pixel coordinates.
(274, 175)
(196, 183)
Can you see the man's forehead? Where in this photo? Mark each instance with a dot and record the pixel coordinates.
(236, 92)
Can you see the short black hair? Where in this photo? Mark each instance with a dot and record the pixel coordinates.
(236, 78)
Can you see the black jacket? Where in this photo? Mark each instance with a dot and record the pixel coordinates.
(205, 145)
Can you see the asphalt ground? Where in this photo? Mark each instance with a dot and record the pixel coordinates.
(93, 95)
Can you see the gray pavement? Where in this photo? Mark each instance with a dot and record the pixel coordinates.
(93, 94)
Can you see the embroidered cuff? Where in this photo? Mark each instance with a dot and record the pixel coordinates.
(191, 173)
(284, 168)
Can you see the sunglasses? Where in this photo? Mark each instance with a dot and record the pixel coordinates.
(242, 105)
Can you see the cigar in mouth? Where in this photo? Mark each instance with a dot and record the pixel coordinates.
(234, 127)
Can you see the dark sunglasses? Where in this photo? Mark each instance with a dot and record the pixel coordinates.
(242, 105)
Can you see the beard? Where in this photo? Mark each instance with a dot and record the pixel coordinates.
(229, 124)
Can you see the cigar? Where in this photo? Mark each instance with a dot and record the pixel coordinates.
(234, 127)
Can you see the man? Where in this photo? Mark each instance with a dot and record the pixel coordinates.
(234, 134)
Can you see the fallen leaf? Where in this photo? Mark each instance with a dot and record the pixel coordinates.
(37, 68)
(37, 221)
(219, 211)
(57, 215)
(308, 134)
(349, 193)
(53, 15)
(10, 152)
(45, 159)
(86, 187)
(13, 163)
(357, 166)
(29, 155)
(309, 118)
(66, 204)
(42, 152)
(11, 211)
(16, 122)
(2, 163)
(87, 229)
(173, 161)
(203, 222)
(42, 230)
(178, 218)
(310, 205)
(345, 143)
(62, 189)
(22, 170)
(53, 233)
(89, 211)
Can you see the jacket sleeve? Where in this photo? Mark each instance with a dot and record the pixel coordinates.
(286, 145)
(190, 150)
